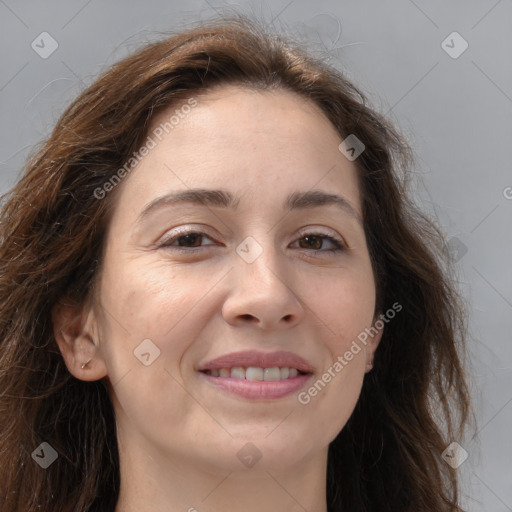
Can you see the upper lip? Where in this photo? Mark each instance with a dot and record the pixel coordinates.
(255, 358)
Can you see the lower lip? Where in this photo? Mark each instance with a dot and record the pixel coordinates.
(259, 389)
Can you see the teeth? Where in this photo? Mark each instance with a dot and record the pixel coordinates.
(255, 373)
(237, 373)
(271, 374)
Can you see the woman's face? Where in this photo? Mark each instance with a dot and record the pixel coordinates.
(277, 269)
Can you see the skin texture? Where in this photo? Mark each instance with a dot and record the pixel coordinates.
(178, 435)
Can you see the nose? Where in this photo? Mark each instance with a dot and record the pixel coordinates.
(262, 294)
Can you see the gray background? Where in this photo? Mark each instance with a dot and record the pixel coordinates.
(456, 113)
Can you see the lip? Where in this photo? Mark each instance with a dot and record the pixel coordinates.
(259, 359)
(258, 390)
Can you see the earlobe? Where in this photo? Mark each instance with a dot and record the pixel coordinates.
(374, 342)
(74, 331)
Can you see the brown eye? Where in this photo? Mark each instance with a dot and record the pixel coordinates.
(312, 242)
(191, 240)
(315, 241)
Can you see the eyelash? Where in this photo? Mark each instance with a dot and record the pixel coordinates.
(338, 244)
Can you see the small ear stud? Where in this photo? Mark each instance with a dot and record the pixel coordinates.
(85, 364)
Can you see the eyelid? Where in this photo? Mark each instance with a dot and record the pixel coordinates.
(321, 230)
(185, 230)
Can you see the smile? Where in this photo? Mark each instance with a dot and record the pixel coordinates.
(256, 375)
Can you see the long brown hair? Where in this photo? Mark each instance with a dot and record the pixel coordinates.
(413, 404)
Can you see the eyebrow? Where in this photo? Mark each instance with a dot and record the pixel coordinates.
(224, 199)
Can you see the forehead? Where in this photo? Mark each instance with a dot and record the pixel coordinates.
(238, 114)
(266, 141)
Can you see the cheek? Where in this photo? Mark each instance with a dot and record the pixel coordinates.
(151, 319)
(355, 308)
(333, 394)
(148, 302)
(342, 303)
(151, 298)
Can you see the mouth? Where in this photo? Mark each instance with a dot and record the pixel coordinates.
(257, 375)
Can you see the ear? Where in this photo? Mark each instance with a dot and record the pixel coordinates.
(75, 329)
(376, 330)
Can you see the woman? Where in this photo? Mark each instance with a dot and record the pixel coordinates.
(215, 295)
